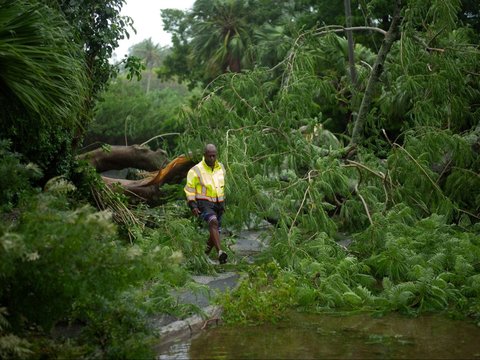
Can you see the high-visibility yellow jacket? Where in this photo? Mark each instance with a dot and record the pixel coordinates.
(203, 183)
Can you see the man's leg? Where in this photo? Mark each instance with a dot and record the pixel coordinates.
(213, 217)
(214, 238)
(206, 213)
(210, 244)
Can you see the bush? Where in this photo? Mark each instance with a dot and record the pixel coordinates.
(14, 177)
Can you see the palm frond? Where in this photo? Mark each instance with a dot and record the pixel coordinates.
(41, 68)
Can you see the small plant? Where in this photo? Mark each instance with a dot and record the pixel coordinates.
(263, 296)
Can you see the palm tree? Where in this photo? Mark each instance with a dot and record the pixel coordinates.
(221, 35)
(39, 67)
(150, 53)
(43, 81)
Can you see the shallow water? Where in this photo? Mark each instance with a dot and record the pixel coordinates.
(306, 336)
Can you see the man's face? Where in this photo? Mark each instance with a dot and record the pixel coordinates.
(210, 157)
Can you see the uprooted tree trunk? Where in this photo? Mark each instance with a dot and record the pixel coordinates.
(159, 172)
(121, 157)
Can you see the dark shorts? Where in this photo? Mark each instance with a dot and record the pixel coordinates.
(210, 211)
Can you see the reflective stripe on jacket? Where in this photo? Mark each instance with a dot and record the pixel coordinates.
(203, 183)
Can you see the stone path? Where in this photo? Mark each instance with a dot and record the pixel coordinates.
(248, 244)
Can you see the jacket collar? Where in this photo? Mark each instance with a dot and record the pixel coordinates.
(215, 167)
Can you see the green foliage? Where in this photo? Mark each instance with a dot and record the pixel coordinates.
(14, 177)
(430, 169)
(246, 127)
(180, 236)
(218, 36)
(419, 266)
(134, 67)
(61, 260)
(128, 115)
(215, 37)
(434, 65)
(118, 328)
(11, 346)
(36, 47)
(299, 183)
(221, 36)
(55, 64)
(426, 265)
(53, 256)
(98, 39)
(407, 255)
(150, 53)
(438, 14)
(264, 296)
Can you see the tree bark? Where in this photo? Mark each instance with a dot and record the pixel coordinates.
(351, 56)
(147, 189)
(391, 36)
(121, 157)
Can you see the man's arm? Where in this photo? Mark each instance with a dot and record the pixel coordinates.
(192, 181)
(194, 207)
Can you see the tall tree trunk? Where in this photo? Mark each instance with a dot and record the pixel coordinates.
(234, 64)
(149, 78)
(351, 57)
(391, 36)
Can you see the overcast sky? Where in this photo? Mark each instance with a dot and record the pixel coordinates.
(147, 21)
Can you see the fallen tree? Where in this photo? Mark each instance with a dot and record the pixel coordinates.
(158, 170)
(121, 157)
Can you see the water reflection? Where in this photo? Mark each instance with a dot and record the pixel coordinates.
(319, 336)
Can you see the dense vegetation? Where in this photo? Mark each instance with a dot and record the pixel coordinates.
(317, 140)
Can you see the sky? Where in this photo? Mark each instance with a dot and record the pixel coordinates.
(147, 22)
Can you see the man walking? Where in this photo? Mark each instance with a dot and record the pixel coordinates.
(205, 196)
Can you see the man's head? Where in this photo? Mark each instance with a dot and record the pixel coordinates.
(210, 154)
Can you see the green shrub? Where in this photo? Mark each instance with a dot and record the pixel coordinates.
(14, 177)
(58, 254)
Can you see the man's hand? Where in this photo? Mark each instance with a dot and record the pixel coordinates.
(193, 206)
(195, 211)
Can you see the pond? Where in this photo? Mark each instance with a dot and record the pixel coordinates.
(307, 336)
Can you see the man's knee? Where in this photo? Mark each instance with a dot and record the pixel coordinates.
(213, 222)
